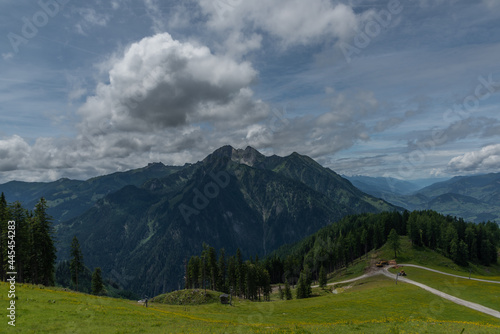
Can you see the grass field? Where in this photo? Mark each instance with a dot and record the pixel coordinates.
(374, 305)
(487, 294)
(434, 260)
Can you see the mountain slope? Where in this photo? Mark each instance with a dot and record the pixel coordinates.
(70, 198)
(481, 187)
(233, 198)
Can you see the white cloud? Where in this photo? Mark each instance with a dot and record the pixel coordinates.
(165, 101)
(487, 158)
(293, 22)
(90, 18)
(7, 56)
(14, 152)
(156, 16)
(160, 83)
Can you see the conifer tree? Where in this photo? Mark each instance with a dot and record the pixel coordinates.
(301, 287)
(232, 277)
(288, 291)
(281, 292)
(43, 253)
(221, 272)
(76, 262)
(212, 268)
(23, 241)
(393, 241)
(322, 277)
(97, 285)
(240, 272)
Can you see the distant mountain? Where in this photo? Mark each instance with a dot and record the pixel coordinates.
(485, 188)
(141, 235)
(474, 198)
(69, 198)
(378, 186)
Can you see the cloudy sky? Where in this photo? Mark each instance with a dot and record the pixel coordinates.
(408, 89)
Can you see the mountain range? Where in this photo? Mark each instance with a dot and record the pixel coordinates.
(474, 198)
(141, 225)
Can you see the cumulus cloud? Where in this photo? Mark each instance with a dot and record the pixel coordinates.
(160, 83)
(164, 100)
(293, 22)
(346, 123)
(13, 153)
(487, 158)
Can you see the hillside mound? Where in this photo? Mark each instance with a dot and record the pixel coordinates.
(188, 297)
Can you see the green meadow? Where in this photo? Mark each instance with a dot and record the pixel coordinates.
(373, 305)
(487, 294)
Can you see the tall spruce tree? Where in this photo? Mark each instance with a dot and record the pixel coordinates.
(240, 273)
(322, 277)
(212, 268)
(232, 277)
(221, 272)
(43, 253)
(393, 241)
(23, 241)
(288, 291)
(76, 262)
(97, 285)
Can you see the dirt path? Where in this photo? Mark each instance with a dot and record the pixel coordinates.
(368, 274)
(443, 273)
(456, 300)
(385, 271)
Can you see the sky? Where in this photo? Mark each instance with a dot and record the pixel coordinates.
(406, 89)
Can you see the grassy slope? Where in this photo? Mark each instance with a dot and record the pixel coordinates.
(487, 294)
(373, 305)
(433, 260)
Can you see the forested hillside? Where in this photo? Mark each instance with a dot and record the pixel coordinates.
(338, 245)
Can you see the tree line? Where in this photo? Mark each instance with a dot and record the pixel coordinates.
(454, 238)
(29, 249)
(248, 279)
(338, 245)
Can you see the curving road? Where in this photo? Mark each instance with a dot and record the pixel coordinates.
(443, 273)
(451, 298)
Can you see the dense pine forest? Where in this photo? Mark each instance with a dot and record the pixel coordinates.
(337, 246)
(26, 243)
(27, 248)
